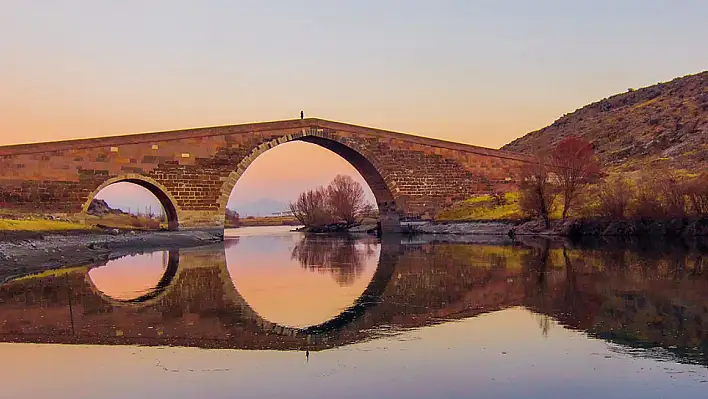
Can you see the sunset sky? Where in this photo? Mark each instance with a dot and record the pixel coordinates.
(480, 72)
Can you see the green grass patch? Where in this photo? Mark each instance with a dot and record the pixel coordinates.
(483, 207)
(52, 273)
(39, 225)
(645, 103)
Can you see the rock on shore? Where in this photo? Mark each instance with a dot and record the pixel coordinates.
(460, 228)
(678, 227)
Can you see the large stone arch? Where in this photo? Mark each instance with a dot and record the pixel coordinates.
(363, 161)
(168, 202)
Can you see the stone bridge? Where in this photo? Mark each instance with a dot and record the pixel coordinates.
(192, 172)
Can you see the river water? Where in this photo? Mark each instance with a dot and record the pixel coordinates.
(272, 313)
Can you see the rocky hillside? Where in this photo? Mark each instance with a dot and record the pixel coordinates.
(666, 123)
(99, 207)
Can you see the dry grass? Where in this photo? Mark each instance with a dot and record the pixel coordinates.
(51, 273)
(131, 222)
(268, 221)
(39, 225)
(483, 207)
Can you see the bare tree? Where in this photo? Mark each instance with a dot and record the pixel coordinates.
(537, 190)
(345, 198)
(574, 163)
(341, 202)
(233, 219)
(343, 257)
(615, 196)
(647, 199)
(311, 208)
(672, 190)
(697, 192)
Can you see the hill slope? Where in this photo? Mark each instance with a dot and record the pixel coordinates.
(665, 123)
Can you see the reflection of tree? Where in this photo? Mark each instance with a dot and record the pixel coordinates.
(544, 323)
(535, 265)
(343, 257)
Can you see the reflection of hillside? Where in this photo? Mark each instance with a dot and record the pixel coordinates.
(343, 257)
(638, 299)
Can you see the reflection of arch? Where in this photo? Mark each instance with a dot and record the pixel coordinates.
(164, 282)
(361, 159)
(169, 204)
(369, 298)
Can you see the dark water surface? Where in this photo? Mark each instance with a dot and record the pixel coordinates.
(389, 319)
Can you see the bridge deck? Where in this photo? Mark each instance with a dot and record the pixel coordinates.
(137, 138)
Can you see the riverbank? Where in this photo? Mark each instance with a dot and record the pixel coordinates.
(23, 252)
(678, 227)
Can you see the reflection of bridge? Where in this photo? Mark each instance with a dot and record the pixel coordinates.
(192, 172)
(418, 286)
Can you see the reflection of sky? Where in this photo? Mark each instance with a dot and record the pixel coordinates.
(280, 290)
(499, 355)
(131, 276)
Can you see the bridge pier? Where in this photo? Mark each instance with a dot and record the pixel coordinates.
(191, 220)
(389, 219)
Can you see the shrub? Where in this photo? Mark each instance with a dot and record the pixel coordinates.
(341, 202)
(345, 199)
(614, 198)
(499, 198)
(311, 208)
(697, 195)
(672, 194)
(647, 203)
(233, 219)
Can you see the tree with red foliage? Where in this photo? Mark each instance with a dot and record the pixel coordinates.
(573, 162)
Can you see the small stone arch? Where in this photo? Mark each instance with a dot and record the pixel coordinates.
(168, 202)
(363, 161)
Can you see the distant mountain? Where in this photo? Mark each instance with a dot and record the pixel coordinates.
(260, 207)
(666, 123)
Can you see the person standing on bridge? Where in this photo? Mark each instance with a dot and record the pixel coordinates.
(302, 114)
